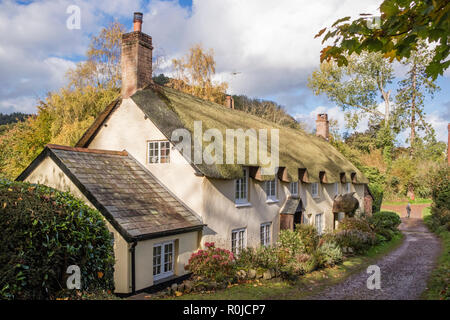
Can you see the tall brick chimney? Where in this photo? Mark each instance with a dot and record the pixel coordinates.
(322, 126)
(136, 58)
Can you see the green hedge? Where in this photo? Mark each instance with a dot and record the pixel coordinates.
(43, 231)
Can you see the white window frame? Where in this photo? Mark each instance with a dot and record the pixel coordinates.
(264, 233)
(270, 187)
(293, 188)
(240, 241)
(319, 226)
(336, 188)
(163, 273)
(348, 187)
(315, 194)
(160, 144)
(241, 189)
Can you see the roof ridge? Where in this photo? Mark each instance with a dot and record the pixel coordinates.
(78, 149)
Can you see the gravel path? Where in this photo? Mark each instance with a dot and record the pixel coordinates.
(404, 271)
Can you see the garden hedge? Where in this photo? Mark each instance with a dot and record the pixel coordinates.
(43, 231)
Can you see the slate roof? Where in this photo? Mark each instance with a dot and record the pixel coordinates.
(170, 109)
(291, 205)
(127, 194)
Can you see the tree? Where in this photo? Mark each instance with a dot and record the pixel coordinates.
(410, 96)
(402, 24)
(357, 86)
(193, 75)
(63, 116)
(265, 109)
(102, 67)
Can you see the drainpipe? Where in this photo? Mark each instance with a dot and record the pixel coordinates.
(133, 266)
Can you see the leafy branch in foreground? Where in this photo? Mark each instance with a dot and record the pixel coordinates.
(403, 23)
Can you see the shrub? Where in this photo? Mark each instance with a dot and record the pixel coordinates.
(441, 188)
(355, 224)
(308, 235)
(385, 223)
(43, 231)
(357, 240)
(291, 242)
(299, 265)
(328, 254)
(214, 264)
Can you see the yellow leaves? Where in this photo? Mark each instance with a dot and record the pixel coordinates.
(320, 33)
(4, 205)
(178, 293)
(323, 54)
(100, 274)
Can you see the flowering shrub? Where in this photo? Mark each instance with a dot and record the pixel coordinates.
(214, 264)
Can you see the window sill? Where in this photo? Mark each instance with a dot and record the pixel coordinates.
(269, 201)
(242, 205)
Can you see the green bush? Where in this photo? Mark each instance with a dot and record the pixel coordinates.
(299, 265)
(291, 242)
(356, 240)
(385, 224)
(260, 258)
(43, 231)
(376, 186)
(308, 235)
(441, 188)
(329, 254)
(354, 224)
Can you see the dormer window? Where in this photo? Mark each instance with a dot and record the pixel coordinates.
(241, 188)
(293, 188)
(270, 187)
(159, 151)
(315, 189)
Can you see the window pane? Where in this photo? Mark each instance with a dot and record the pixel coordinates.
(153, 152)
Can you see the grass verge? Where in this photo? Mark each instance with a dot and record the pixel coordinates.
(405, 201)
(305, 286)
(439, 281)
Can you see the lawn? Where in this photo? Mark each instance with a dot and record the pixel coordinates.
(405, 201)
(306, 285)
(439, 281)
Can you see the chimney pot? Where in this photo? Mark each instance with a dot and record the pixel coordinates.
(137, 21)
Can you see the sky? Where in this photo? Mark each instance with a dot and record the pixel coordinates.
(263, 48)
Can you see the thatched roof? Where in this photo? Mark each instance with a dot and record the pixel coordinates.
(170, 109)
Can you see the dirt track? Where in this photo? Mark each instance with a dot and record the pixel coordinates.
(404, 271)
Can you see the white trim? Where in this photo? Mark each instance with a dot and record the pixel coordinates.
(237, 193)
(266, 234)
(290, 188)
(159, 146)
(315, 195)
(239, 232)
(336, 188)
(163, 262)
(319, 230)
(269, 190)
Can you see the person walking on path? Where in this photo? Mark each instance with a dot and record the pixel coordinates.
(408, 209)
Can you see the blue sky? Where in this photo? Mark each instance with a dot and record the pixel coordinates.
(271, 43)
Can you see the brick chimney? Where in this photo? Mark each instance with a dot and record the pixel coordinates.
(229, 102)
(136, 58)
(322, 126)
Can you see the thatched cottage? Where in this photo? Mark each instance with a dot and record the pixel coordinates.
(161, 206)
